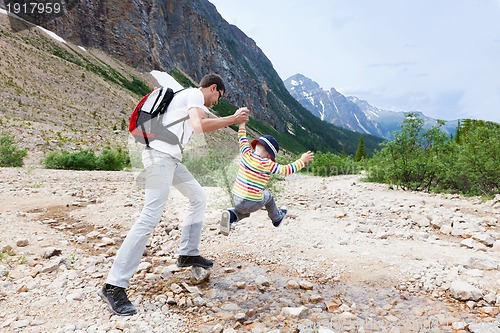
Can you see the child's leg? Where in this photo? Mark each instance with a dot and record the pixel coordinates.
(243, 208)
(273, 211)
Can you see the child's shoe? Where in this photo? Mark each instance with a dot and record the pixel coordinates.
(225, 222)
(282, 217)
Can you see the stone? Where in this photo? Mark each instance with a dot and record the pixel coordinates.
(485, 239)
(199, 275)
(332, 305)
(496, 246)
(22, 242)
(51, 252)
(484, 328)
(482, 264)
(290, 312)
(262, 282)
(144, 266)
(463, 291)
(306, 285)
(292, 284)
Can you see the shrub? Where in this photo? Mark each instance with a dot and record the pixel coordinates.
(10, 154)
(328, 164)
(82, 160)
(112, 160)
(430, 160)
(86, 160)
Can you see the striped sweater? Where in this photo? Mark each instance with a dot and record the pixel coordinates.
(254, 171)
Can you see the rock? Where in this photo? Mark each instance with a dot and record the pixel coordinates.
(51, 267)
(463, 291)
(240, 317)
(22, 242)
(332, 305)
(20, 324)
(199, 275)
(289, 312)
(496, 246)
(199, 301)
(468, 243)
(306, 285)
(193, 290)
(6, 249)
(325, 330)
(217, 328)
(484, 328)
(144, 266)
(482, 264)
(484, 239)
(292, 284)
(262, 282)
(459, 325)
(51, 252)
(176, 289)
(76, 296)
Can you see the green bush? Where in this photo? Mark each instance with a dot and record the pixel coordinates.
(112, 160)
(10, 154)
(431, 161)
(86, 160)
(328, 164)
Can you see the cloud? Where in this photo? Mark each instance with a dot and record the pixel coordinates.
(393, 64)
(340, 22)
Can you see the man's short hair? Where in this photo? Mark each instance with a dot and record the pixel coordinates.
(210, 79)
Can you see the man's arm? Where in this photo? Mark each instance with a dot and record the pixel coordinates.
(202, 124)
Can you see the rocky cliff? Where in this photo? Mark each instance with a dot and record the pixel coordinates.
(193, 37)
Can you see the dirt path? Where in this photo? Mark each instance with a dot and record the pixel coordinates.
(351, 257)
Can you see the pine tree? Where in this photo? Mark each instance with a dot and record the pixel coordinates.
(360, 152)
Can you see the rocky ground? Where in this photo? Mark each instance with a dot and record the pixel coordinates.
(351, 257)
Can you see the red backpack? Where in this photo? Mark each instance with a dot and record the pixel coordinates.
(145, 123)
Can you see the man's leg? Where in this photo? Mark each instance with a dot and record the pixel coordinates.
(159, 173)
(192, 226)
(158, 180)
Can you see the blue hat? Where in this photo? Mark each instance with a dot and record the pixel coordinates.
(269, 143)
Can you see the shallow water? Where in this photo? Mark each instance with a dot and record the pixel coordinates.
(361, 308)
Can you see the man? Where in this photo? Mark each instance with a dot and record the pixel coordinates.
(162, 162)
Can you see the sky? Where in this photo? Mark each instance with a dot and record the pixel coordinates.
(440, 57)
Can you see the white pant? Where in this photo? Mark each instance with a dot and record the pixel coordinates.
(162, 171)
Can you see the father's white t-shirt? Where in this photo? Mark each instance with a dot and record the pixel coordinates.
(177, 109)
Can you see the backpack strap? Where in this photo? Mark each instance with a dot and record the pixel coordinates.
(183, 119)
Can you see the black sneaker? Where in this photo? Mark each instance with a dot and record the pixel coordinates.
(117, 299)
(198, 261)
(282, 217)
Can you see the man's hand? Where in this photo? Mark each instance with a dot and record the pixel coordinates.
(242, 115)
(307, 157)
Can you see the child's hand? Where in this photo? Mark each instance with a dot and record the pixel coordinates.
(307, 157)
(241, 115)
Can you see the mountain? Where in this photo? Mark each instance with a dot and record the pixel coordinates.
(351, 112)
(192, 37)
(77, 92)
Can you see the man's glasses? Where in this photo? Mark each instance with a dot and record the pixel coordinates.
(220, 95)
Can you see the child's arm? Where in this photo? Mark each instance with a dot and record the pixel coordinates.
(292, 167)
(242, 139)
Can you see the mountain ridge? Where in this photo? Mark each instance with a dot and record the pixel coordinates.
(194, 38)
(350, 112)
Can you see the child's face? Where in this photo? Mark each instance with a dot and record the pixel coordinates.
(261, 151)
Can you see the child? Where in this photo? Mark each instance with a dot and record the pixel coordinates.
(256, 167)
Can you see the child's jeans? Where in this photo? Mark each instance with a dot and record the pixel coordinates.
(243, 208)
